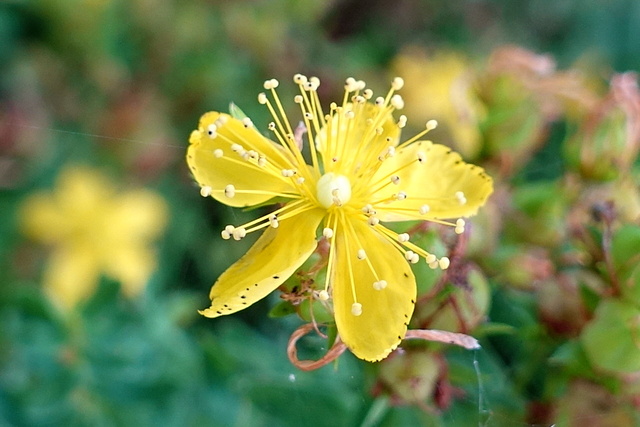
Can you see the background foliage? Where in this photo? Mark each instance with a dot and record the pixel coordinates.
(553, 283)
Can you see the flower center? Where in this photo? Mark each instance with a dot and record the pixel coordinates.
(333, 189)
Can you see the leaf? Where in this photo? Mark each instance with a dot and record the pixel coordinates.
(611, 339)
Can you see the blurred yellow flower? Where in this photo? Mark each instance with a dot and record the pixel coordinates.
(360, 175)
(93, 230)
(443, 89)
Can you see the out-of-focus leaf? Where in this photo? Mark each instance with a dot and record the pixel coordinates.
(610, 339)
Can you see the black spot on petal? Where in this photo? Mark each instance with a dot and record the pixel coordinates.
(406, 275)
(276, 277)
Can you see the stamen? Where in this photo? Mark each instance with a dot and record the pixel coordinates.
(397, 83)
(379, 285)
(412, 257)
(397, 102)
(239, 233)
(327, 233)
(227, 232)
(356, 309)
(299, 79)
(211, 131)
(444, 262)
(461, 197)
(403, 237)
(205, 191)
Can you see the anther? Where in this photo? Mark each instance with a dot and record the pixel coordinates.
(432, 124)
(262, 161)
(373, 221)
(356, 309)
(273, 221)
(271, 126)
(205, 191)
(298, 99)
(299, 79)
(412, 257)
(422, 157)
(460, 226)
(361, 254)
(379, 285)
(227, 232)
(237, 148)
(401, 195)
(402, 121)
(391, 151)
(424, 209)
(368, 93)
(230, 191)
(395, 179)
(444, 263)
(239, 233)
(397, 102)
(350, 84)
(212, 131)
(262, 98)
(397, 83)
(300, 180)
(247, 123)
(431, 258)
(403, 237)
(327, 233)
(380, 101)
(461, 197)
(288, 173)
(323, 295)
(217, 153)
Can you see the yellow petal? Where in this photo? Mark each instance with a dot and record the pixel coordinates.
(448, 186)
(41, 219)
(231, 168)
(71, 275)
(137, 215)
(385, 313)
(269, 262)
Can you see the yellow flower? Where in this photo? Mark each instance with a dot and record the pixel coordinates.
(443, 88)
(358, 176)
(93, 230)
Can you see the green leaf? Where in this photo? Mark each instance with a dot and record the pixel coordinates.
(282, 309)
(610, 339)
(236, 112)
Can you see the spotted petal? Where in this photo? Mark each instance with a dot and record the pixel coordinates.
(385, 313)
(270, 261)
(434, 179)
(215, 165)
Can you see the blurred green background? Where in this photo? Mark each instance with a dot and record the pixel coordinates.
(117, 86)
